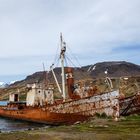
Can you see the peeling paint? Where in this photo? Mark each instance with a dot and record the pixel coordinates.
(89, 106)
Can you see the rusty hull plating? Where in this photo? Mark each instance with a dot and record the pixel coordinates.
(130, 105)
(40, 115)
(67, 112)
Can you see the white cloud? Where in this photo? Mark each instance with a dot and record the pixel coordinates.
(91, 28)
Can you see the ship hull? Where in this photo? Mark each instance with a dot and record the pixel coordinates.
(67, 112)
(38, 115)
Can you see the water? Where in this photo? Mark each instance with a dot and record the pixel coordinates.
(7, 125)
(3, 103)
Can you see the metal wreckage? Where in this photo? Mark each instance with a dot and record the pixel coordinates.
(79, 104)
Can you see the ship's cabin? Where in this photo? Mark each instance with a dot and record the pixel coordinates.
(14, 102)
(14, 97)
(39, 96)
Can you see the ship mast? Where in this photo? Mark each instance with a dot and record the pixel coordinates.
(62, 57)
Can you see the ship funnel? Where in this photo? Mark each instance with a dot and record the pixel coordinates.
(70, 81)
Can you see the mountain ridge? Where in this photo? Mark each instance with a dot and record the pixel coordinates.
(98, 70)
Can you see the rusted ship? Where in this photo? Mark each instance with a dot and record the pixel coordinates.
(77, 103)
(130, 105)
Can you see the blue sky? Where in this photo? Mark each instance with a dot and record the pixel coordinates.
(95, 31)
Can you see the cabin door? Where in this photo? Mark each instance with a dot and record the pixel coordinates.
(16, 98)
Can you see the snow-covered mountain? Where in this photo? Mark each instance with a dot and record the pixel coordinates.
(4, 85)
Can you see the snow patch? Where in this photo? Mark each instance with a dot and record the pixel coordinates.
(2, 83)
(12, 82)
(89, 68)
(93, 67)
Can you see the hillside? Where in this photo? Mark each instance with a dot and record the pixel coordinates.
(99, 70)
(113, 69)
(92, 73)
